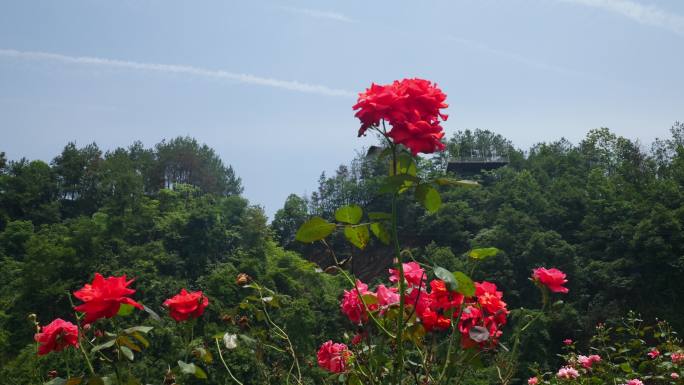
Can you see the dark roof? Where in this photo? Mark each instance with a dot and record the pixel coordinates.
(473, 166)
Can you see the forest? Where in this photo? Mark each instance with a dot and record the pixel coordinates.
(607, 211)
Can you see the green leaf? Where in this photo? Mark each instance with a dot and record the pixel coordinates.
(192, 369)
(357, 235)
(200, 373)
(125, 341)
(186, 368)
(141, 339)
(429, 197)
(141, 329)
(349, 214)
(203, 354)
(74, 381)
(314, 229)
(379, 216)
(128, 353)
(625, 367)
(483, 253)
(454, 182)
(380, 232)
(465, 284)
(124, 310)
(56, 381)
(395, 183)
(478, 333)
(406, 165)
(446, 276)
(103, 345)
(152, 314)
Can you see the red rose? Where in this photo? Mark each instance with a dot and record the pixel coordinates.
(489, 298)
(432, 320)
(186, 305)
(333, 357)
(487, 309)
(413, 273)
(552, 278)
(104, 296)
(411, 107)
(654, 353)
(352, 306)
(56, 336)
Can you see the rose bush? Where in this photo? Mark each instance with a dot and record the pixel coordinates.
(628, 352)
(423, 324)
(430, 325)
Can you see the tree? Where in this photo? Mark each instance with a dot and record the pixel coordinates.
(183, 161)
(287, 220)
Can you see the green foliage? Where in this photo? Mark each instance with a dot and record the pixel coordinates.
(349, 214)
(314, 229)
(628, 348)
(603, 211)
(110, 213)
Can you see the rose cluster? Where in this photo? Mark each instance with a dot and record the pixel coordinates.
(412, 109)
(103, 298)
(435, 306)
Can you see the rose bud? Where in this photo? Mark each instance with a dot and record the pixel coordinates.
(243, 279)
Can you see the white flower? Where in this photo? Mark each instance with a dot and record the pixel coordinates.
(230, 340)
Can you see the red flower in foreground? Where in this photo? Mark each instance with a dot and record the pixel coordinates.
(552, 278)
(56, 336)
(104, 296)
(333, 357)
(412, 108)
(186, 305)
(352, 306)
(654, 353)
(413, 273)
(487, 310)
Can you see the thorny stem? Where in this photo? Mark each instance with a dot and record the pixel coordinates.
(545, 300)
(281, 333)
(454, 330)
(399, 368)
(80, 337)
(218, 347)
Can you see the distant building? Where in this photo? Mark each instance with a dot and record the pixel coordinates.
(475, 166)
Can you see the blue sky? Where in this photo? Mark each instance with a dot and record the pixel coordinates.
(270, 84)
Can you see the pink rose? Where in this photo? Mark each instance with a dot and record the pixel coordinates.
(333, 357)
(413, 273)
(552, 278)
(567, 373)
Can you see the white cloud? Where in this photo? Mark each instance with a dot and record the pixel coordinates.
(512, 56)
(336, 16)
(644, 14)
(291, 85)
